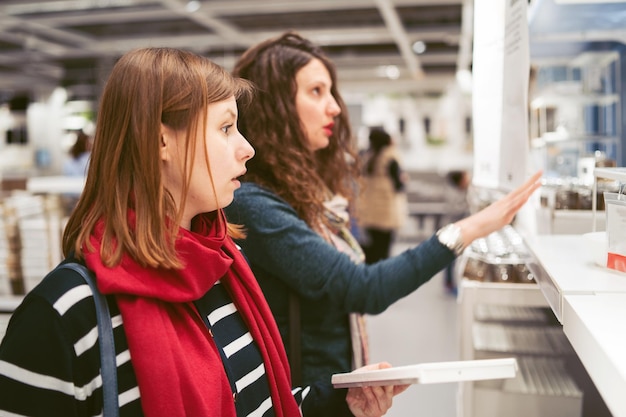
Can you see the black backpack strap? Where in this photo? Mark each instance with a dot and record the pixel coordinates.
(108, 365)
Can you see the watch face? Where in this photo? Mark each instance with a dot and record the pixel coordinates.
(450, 237)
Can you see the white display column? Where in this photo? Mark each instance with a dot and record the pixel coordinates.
(500, 93)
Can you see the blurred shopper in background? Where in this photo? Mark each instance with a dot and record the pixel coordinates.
(193, 334)
(76, 165)
(381, 203)
(293, 204)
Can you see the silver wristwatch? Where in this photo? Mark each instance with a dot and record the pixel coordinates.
(450, 237)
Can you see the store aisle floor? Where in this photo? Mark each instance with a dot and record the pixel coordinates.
(421, 327)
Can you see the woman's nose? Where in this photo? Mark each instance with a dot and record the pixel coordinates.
(333, 107)
(246, 151)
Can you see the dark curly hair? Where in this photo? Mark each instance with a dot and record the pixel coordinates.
(283, 162)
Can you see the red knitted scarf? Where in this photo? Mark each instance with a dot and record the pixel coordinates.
(177, 364)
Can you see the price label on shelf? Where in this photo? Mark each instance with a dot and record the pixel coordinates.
(615, 206)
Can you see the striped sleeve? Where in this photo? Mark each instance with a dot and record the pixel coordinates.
(49, 357)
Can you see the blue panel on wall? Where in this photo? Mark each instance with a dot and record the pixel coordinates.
(592, 122)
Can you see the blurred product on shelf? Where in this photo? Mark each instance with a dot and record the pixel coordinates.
(30, 240)
(575, 115)
(572, 195)
(479, 270)
(498, 257)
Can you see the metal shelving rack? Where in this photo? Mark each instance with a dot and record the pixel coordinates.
(585, 108)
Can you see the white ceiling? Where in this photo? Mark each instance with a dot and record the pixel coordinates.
(74, 43)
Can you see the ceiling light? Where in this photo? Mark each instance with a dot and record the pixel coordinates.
(389, 71)
(192, 6)
(419, 47)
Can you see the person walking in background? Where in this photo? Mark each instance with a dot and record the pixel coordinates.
(76, 165)
(193, 334)
(381, 204)
(293, 204)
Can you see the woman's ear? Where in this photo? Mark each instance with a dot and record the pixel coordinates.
(164, 141)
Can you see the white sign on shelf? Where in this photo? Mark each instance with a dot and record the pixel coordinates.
(500, 93)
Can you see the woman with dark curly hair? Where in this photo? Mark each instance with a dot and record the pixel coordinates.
(293, 204)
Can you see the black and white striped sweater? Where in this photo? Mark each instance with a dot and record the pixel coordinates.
(50, 363)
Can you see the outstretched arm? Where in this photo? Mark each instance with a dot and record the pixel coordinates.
(498, 214)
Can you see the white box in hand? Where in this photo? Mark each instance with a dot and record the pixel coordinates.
(430, 373)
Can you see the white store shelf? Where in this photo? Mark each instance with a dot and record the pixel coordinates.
(8, 303)
(55, 185)
(595, 326)
(508, 314)
(524, 340)
(473, 295)
(541, 387)
(564, 265)
(590, 302)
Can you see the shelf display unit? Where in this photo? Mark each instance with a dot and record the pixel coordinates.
(503, 313)
(575, 117)
(504, 320)
(575, 126)
(571, 312)
(589, 302)
(30, 244)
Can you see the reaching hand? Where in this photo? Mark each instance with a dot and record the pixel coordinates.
(372, 401)
(498, 214)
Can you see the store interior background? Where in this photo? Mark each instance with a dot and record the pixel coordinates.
(404, 65)
(54, 58)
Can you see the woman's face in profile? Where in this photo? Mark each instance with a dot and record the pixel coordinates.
(315, 104)
(228, 152)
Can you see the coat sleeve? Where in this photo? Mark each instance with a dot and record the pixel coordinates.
(322, 400)
(280, 243)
